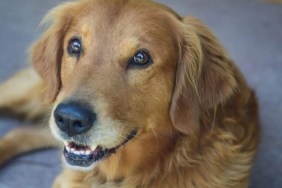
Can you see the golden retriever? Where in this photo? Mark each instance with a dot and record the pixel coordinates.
(140, 98)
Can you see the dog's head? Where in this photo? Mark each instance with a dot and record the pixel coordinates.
(119, 70)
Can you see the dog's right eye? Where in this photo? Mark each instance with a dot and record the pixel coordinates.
(74, 47)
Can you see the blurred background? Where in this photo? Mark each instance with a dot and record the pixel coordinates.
(250, 30)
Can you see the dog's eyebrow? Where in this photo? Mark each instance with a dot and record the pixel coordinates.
(128, 47)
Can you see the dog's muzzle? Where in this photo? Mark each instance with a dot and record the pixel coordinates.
(84, 156)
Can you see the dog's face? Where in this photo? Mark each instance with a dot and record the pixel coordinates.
(117, 66)
(110, 68)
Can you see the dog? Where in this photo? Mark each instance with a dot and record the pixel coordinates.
(137, 96)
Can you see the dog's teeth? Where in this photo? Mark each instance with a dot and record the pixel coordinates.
(82, 150)
(87, 152)
(93, 148)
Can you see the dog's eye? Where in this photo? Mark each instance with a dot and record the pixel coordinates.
(140, 58)
(74, 47)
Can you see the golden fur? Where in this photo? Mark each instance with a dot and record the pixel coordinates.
(196, 117)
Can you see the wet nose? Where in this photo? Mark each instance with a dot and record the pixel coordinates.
(74, 119)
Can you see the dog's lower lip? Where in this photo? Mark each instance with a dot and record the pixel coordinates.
(84, 159)
(83, 156)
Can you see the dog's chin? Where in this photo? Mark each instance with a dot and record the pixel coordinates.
(79, 168)
(83, 157)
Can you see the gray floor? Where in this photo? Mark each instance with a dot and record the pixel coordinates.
(250, 30)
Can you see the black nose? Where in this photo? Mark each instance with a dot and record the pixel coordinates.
(74, 119)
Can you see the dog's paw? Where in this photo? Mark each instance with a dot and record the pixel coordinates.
(57, 183)
(71, 179)
(6, 152)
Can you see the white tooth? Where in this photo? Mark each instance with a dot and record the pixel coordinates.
(81, 152)
(72, 150)
(87, 152)
(68, 149)
(94, 147)
(76, 152)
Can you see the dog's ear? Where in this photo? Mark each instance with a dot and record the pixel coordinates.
(46, 53)
(204, 76)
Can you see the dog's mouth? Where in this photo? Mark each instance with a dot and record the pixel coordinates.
(84, 156)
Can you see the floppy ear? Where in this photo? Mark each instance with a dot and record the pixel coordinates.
(204, 76)
(46, 53)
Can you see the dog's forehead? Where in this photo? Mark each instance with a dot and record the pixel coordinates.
(122, 26)
(123, 18)
(109, 9)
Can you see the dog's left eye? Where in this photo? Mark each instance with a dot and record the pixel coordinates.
(74, 47)
(140, 58)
